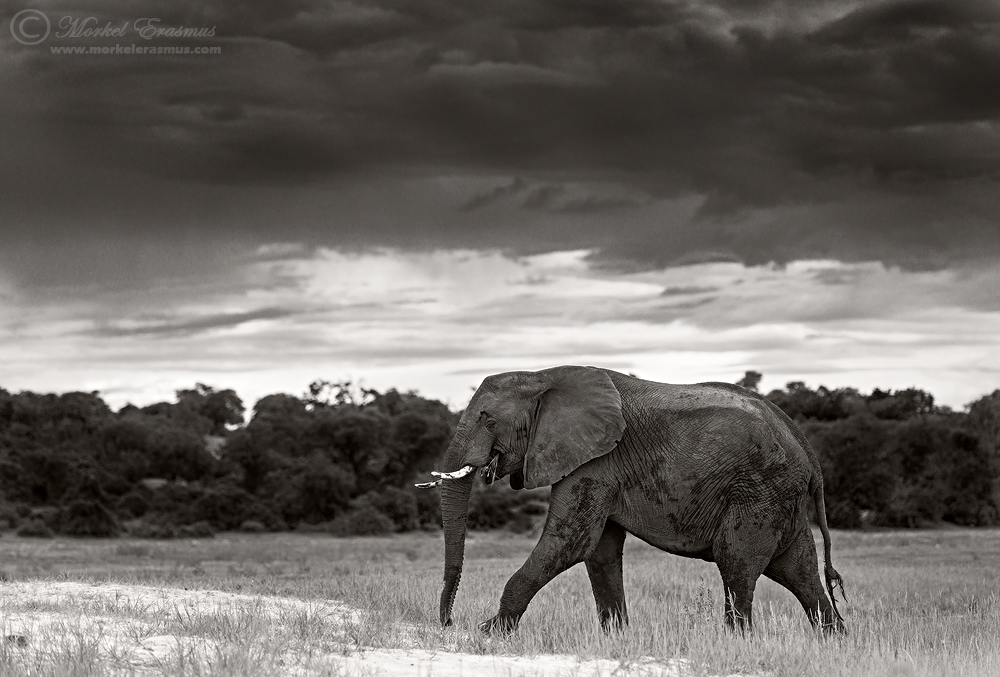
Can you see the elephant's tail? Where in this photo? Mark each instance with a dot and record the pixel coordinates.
(833, 579)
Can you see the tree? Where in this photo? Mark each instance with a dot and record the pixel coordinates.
(970, 481)
(901, 404)
(802, 403)
(221, 407)
(399, 505)
(6, 408)
(352, 436)
(279, 406)
(85, 511)
(179, 416)
(44, 476)
(324, 393)
(278, 424)
(324, 489)
(252, 457)
(126, 447)
(419, 436)
(851, 453)
(750, 380)
(984, 420)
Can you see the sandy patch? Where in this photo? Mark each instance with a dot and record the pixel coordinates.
(136, 629)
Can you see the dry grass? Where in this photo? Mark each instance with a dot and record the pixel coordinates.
(921, 603)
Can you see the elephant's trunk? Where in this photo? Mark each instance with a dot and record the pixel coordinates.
(454, 511)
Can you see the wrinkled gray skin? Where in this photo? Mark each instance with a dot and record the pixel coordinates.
(710, 471)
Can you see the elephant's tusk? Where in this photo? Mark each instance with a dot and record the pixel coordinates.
(462, 472)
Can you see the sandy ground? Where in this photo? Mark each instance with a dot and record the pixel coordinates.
(124, 625)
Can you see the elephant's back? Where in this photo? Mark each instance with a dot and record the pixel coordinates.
(667, 397)
(715, 396)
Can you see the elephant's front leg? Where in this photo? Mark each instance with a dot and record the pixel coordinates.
(571, 533)
(552, 556)
(604, 566)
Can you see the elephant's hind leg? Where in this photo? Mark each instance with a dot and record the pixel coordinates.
(796, 569)
(604, 567)
(742, 550)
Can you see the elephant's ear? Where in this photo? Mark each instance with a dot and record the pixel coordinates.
(579, 418)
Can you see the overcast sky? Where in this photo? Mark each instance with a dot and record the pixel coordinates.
(419, 194)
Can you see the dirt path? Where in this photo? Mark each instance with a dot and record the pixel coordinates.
(135, 629)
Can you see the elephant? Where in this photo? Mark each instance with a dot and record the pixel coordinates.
(709, 471)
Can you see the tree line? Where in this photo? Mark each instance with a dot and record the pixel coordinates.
(342, 459)
(895, 458)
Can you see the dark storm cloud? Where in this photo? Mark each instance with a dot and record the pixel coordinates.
(542, 197)
(495, 194)
(599, 203)
(659, 87)
(804, 129)
(898, 20)
(551, 197)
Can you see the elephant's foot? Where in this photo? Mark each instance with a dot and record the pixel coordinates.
(613, 621)
(499, 626)
(833, 628)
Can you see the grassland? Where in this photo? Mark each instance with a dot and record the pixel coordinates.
(921, 603)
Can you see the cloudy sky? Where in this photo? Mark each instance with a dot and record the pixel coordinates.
(418, 194)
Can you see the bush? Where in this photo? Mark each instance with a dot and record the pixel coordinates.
(175, 499)
(844, 515)
(197, 530)
(48, 514)
(362, 521)
(143, 529)
(428, 508)
(988, 516)
(252, 527)
(133, 504)
(899, 515)
(223, 507)
(9, 518)
(263, 513)
(910, 507)
(497, 506)
(154, 525)
(521, 523)
(397, 504)
(84, 518)
(314, 527)
(226, 507)
(35, 527)
(492, 507)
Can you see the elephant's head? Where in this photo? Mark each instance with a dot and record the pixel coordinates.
(536, 427)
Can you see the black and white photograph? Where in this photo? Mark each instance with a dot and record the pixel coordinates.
(561, 338)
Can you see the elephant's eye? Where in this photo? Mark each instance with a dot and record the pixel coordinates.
(491, 425)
